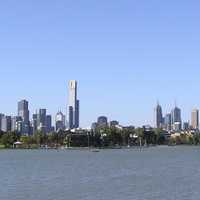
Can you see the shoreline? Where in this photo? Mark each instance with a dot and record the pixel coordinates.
(98, 149)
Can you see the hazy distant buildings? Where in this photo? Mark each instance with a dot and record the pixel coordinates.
(173, 121)
(186, 126)
(114, 123)
(73, 105)
(102, 121)
(60, 121)
(6, 123)
(17, 124)
(158, 116)
(176, 119)
(168, 121)
(13, 124)
(195, 119)
(42, 122)
(177, 126)
(94, 126)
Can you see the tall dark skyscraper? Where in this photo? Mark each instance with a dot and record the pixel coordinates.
(77, 114)
(48, 123)
(23, 112)
(73, 105)
(42, 120)
(35, 123)
(158, 116)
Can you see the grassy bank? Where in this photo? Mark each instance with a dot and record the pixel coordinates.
(2, 146)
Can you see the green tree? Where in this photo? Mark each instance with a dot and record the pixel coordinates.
(8, 139)
(159, 136)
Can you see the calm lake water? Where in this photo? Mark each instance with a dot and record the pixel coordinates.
(163, 173)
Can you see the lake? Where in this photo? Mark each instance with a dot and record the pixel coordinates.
(156, 173)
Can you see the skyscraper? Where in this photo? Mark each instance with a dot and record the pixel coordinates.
(176, 117)
(23, 112)
(1, 116)
(168, 121)
(60, 121)
(195, 119)
(15, 124)
(73, 105)
(94, 126)
(186, 126)
(42, 120)
(158, 116)
(48, 123)
(35, 123)
(6, 123)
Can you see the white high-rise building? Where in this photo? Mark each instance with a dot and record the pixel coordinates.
(195, 119)
(73, 105)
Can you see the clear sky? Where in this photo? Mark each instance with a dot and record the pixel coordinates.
(125, 54)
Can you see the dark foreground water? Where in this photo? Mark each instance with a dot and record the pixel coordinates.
(156, 173)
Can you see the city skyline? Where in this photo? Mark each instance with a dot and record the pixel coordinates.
(169, 120)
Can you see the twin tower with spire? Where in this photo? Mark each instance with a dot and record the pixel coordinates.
(171, 121)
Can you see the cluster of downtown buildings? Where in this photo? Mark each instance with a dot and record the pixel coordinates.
(173, 121)
(41, 121)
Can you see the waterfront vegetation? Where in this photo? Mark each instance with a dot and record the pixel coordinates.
(100, 138)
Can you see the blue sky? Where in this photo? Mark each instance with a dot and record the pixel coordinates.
(125, 54)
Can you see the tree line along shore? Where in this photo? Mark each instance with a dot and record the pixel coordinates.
(100, 138)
